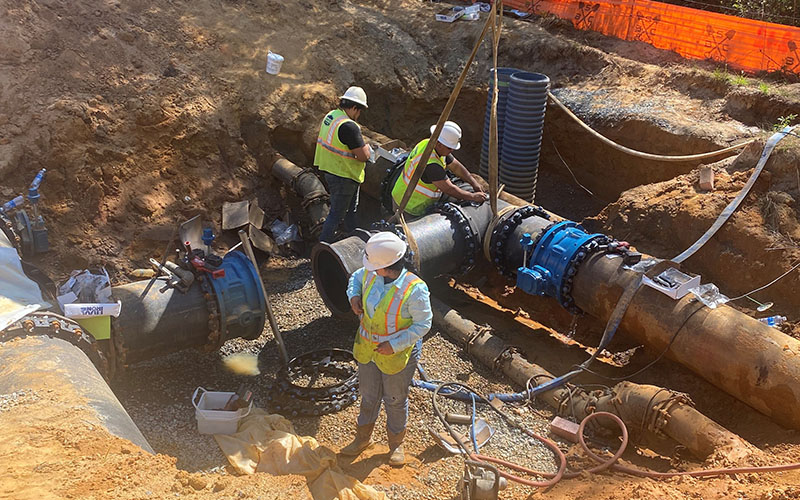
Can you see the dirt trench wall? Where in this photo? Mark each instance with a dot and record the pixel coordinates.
(755, 246)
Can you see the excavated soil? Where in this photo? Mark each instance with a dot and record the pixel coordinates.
(146, 113)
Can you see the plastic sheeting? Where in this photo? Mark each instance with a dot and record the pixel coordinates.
(745, 44)
(267, 443)
(19, 295)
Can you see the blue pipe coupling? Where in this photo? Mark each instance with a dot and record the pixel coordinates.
(240, 297)
(553, 259)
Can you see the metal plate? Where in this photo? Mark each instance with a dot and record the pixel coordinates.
(261, 240)
(256, 215)
(235, 214)
(192, 231)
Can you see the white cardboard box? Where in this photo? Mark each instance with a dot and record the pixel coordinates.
(449, 15)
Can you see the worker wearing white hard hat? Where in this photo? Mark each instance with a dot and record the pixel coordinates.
(394, 308)
(434, 182)
(342, 154)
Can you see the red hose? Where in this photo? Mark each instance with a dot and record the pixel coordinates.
(609, 463)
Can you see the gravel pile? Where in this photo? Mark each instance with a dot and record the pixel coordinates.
(157, 396)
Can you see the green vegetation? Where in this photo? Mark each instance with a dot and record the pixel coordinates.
(784, 121)
(763, 88)
(739, 80)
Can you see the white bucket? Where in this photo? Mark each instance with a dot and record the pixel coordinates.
(211, 418)
(274, 62)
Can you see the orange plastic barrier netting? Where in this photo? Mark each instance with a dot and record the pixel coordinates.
(745, 44)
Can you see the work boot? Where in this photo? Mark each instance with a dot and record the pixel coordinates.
(396, 454)
(360, 443)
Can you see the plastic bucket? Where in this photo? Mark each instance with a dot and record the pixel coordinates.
(274, 62)
(211, 418)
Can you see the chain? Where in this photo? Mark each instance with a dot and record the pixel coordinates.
(293, 400)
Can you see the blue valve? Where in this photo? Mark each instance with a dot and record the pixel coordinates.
(11, 205)
(208, 238)
(33, 192)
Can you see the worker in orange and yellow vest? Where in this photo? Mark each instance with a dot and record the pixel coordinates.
(395, 311)
(341, 154)
(434, 181)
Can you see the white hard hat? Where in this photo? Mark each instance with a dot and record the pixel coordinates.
(383, 249)
(450, 134)
(357, 95)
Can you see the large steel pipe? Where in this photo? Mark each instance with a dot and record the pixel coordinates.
(309, 188)
(44, 363)
(212, 311)
(447, 242)
(650, 408)
(753, 362)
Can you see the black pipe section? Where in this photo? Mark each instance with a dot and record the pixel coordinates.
(522, 133)
(40, 362)
(307, 186)
(503, 77)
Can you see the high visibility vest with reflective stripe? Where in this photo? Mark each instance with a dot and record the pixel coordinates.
(385, 321)
(332, 155)
(424, 194)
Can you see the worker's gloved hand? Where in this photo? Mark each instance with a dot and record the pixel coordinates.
(478, 197)
(355, 305)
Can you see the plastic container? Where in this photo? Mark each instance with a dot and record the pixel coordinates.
(211, 418)
(773, 321)
(274, 62)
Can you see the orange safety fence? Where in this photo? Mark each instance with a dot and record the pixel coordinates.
(744, 44)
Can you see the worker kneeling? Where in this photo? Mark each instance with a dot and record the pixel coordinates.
(395, 311)
(434, 181)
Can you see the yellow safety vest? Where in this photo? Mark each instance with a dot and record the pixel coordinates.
(424, 194)
(385, 321)
(332, 155)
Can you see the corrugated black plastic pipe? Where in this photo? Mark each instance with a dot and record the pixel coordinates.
(503, 77)
(522, 134)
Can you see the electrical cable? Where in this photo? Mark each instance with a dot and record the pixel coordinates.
(609, 463)
(640, 154)
(795, 266)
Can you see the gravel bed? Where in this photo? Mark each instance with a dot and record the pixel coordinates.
(157, 395)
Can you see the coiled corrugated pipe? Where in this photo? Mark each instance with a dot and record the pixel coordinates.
(503, 77)
(522, 134)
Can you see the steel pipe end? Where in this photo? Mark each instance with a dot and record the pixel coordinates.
(332, 264)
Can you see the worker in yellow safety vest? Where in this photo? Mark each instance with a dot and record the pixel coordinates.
(395, 311)
(341, 154)
(434, 181)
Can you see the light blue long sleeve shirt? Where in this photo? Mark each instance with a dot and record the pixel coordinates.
(417, 307)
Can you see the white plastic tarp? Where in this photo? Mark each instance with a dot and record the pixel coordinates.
(19, 295)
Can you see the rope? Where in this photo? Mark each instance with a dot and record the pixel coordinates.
(497, 24)
(647, 156)
(487, 237)
(734, 204)
(426, 154)
(412, 243)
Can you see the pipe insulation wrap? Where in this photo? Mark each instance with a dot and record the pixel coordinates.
(41, 362)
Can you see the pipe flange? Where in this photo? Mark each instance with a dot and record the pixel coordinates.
(594, 245)
(314, 197)
(215, 338)
(8, 228)
(471, 237)
(387, 184)
(57, 326)
(506, 227)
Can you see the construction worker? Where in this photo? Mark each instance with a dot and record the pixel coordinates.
(434, 180)
(341, 154)
(395, 311)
